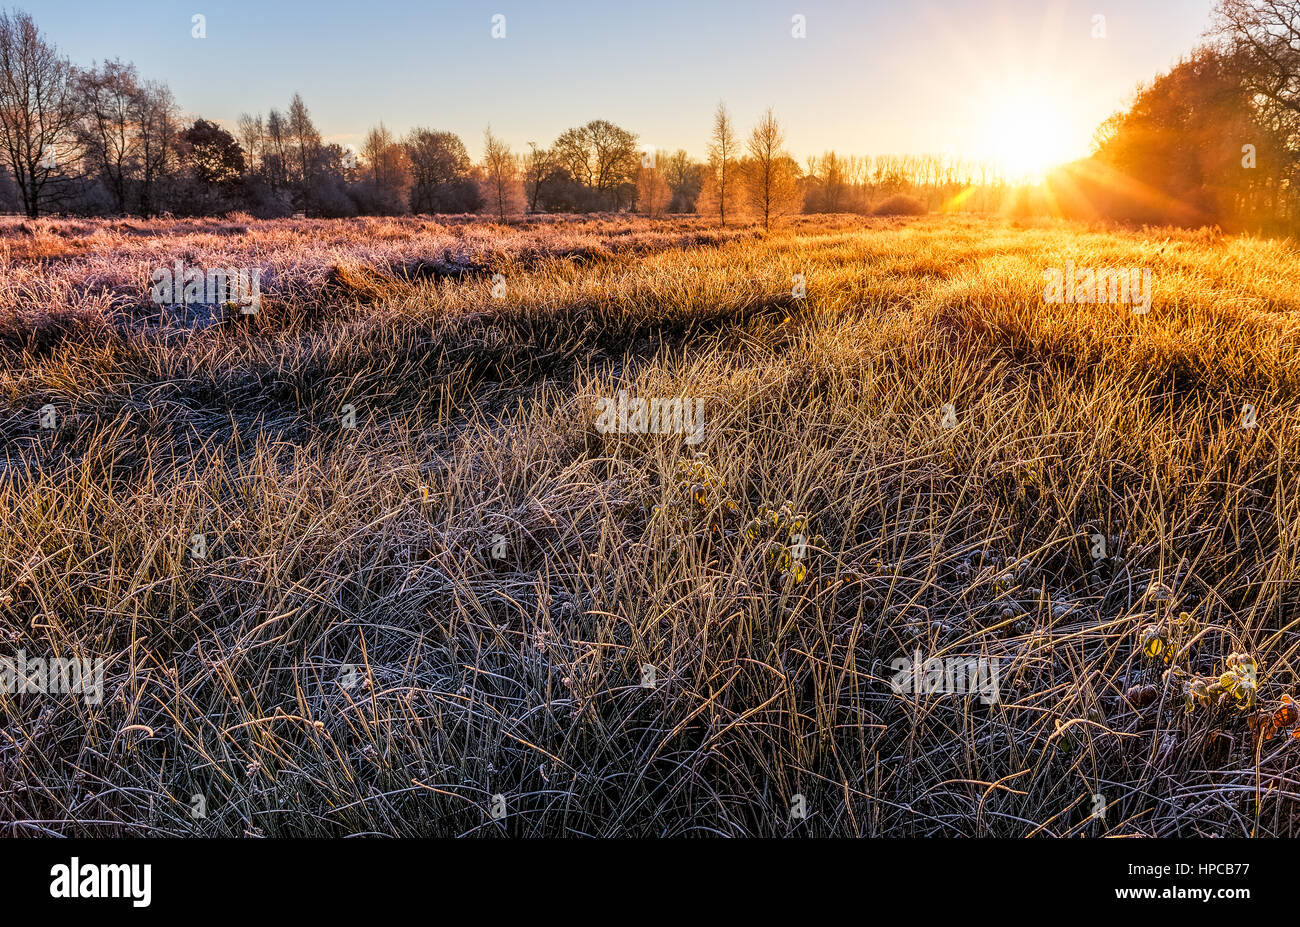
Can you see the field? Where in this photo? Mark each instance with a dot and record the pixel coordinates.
(432, 597)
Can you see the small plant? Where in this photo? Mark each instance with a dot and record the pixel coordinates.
(698, 481)
(1163, 639)
(1154, 639)
(1282, 719)
(1238, 682)
(788, 543)
(701, 490)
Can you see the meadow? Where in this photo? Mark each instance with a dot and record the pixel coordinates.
(432, 597)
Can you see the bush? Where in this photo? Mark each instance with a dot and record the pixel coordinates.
(900, 205)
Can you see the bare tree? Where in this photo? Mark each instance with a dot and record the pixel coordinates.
(1260, 40)
(109, 102)
(537, 166)
(684, 177)
(771, 175)
(37, 114)
(828, 172)
(722, 162)
(387, 167)
(652, 191)
(386, 171)
(374, 151)
(602, 156)
(305, 140)
(275, 151)
(502, 171)
(1264, 36)
(440, 173)
(251, 135)
(157, 123)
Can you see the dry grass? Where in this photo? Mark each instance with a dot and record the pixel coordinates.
(370, 547)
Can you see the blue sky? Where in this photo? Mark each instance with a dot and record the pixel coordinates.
(870, 77)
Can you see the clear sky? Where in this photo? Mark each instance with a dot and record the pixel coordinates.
(872, 76)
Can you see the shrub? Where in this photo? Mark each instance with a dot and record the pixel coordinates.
(900, 205)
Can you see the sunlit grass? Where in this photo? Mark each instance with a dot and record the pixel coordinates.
(371, 548)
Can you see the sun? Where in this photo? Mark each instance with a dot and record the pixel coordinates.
(1027, 134)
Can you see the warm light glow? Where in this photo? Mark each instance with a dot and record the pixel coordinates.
(1027, 134)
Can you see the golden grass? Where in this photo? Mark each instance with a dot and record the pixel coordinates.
(330, 548)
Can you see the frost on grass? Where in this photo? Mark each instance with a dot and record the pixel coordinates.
(464, 589)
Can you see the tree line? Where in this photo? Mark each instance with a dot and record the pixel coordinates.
(104, 141)
(1216, 139)
(1213, 141)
